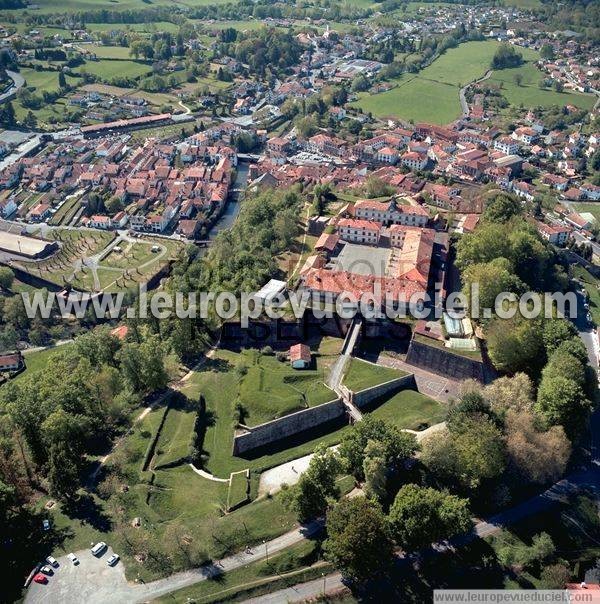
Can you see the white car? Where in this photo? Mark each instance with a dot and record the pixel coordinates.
(73, 558)
(52, 561)
(47, 570)
(113, 560)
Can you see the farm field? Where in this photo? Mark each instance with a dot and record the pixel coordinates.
(361, 375)
(409, 409)
(529, 94)
(139, 27)
(432, 95)
(72, 6)
(108, 52)
(108, 69)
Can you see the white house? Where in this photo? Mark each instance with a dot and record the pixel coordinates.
(359, 231)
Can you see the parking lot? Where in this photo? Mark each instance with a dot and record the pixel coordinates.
(92, 580)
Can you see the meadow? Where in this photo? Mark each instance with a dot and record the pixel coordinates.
(432, 95)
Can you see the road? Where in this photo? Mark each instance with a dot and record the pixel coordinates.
(18, 82)
(461, 95)
(93, 582)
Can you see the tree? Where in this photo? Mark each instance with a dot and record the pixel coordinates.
(376, 187)
(420, 516)
(555, 576)
(63, 474)
(547, 52)
(62, 81)
(468, 456)
(6, 277)
(483, 283)
(501, 208)
(397, 445)
(507, 393)
(317, 487)
(557, 331)
(7, 114)
(518, 79)
(537, 456)
(561, 401)
(506, 56)
(558, 86)
(375, 471)
(515, 344)
(357, 540)
(30, 120)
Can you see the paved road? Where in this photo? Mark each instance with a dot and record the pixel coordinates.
(461, 95)
(18, 82)
(304, 591)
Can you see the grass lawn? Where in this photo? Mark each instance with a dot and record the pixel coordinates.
(108, 52)
(271, 388)
(239, 488)
(361, 375)
(529, 94)
(107, 69)
(219, 385)
(411, 410)
(591, 286)
(157, 26)
(37, 360)
(66, 211)
(174, 441)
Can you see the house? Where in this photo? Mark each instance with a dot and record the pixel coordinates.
(414, 160)
(591, 191)
(337, 113)
(525, 135)
(100, 222)
(524, 190)
(506, 145)
(387, 155)
(40, 212)
(11, 361)
(188, 228)
(359, 231)
(300, 356)
(555, 234)
(578, 221)
(7, 207)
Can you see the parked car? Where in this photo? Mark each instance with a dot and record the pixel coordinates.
(39, 578)
(46, 524)
(52, 561)
(113, 560)
(47, 570)
(73, 558)
(99, 548)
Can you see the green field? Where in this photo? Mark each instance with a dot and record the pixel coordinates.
(361, 375)
(529, 94)
(36, 361)
(410, 410)
(51, 6)
(108, 52)
(218, 383)
(271, 388)
(107, 69)
(432, 95)
(139, 27)
(239, 488)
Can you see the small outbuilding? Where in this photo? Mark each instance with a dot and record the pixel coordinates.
(300, 356)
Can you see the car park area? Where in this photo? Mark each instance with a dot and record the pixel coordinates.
(92, 580)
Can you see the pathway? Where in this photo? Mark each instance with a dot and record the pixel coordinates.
(18, 82)
(461, 95)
